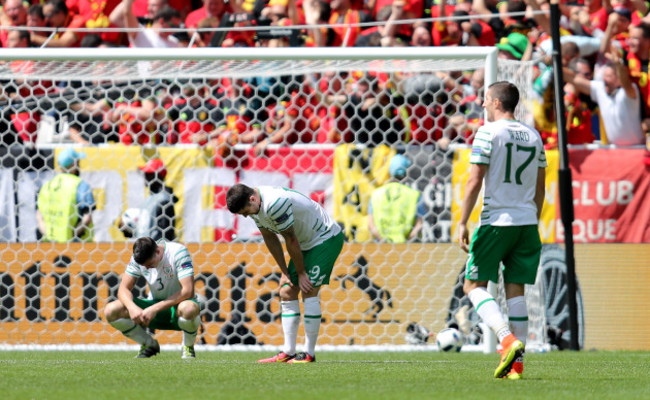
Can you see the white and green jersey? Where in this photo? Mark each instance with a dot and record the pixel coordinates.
(282, 208)
(513, 152)
(164, 280)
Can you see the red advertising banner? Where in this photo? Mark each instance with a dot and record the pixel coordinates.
(611, 190)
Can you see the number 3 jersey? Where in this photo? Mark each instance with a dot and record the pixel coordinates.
(164, 280)
(514, 152)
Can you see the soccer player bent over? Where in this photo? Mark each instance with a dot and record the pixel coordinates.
(313, 241)
(509, 156)
(169, 272)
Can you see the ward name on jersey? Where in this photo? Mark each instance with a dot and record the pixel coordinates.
(514, 153)
(282, 208)
(164, 280)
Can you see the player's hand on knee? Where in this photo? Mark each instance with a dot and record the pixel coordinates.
(305, 283)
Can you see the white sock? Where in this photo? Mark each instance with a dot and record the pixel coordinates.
(518, 315)
(312, 323)
(190, 327)
(290, 323)
(488, 309)
(132, 331)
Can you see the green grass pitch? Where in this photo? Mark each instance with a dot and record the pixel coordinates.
(335, 376)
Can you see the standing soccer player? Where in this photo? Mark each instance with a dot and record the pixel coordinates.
(313, 240)
(509, 156)
(172, 305)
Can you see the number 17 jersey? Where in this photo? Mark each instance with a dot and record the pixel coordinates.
(514, 152)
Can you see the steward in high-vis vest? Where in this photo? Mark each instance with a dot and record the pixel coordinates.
(395, 212)
(65, 203)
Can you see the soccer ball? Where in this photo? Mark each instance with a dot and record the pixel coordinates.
(130, 220)
(449, 339)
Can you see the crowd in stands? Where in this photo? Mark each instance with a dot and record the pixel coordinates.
(605, 55)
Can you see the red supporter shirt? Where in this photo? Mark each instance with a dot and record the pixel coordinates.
(639, 75)
(196, 16)
(94, 14)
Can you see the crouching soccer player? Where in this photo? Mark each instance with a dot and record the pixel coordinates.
(168, 270)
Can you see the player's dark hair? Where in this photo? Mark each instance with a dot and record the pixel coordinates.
(143, 249)
(506, 93)
(238, 197)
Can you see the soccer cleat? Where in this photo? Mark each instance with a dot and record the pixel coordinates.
(517, 371)
(149, 351)
(302, 358)
(508, 357)
(281, 357)
(188, 352)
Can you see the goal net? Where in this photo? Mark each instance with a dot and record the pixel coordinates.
(325, 122)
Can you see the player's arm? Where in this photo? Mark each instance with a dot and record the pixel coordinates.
(186, 293)
(472, 190)
(275, 248)
(293, 248)
(540, 190)
(125, 296)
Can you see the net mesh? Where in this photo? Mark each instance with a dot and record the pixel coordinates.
(327, 128)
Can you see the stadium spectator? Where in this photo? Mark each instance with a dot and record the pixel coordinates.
(395, 211)
(637, 61)
(192, 117)
(515, 46)
(289, 122)
(618, 100)
(145, 10)
(211, 8)
(470, 107)
(239, 124)
(173, 304)
(204, 36)
(313, 240)
(421, 36)
(579, 107)
(13, 13)
(36, 19)
(154, 36)
(23, 92)
(157, 218)
(371, 112)
(343, 13)
(509, 218)
(58, 16)
(66, 202)
(617, 33)
(138, 121)
(94, 14)
(487, 7)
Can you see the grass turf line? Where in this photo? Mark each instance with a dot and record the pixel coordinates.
(351, 375)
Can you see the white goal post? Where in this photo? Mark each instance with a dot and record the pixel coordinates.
(52, 294)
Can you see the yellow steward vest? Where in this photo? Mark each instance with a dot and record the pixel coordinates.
(57, 202)
(394, 208)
